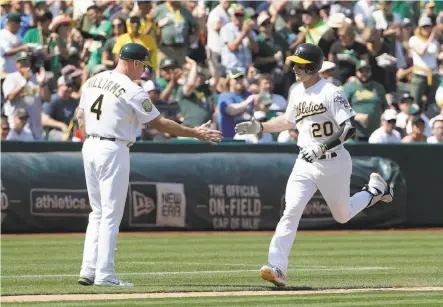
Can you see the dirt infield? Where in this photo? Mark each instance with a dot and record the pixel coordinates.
(193, 233)
(100, 297)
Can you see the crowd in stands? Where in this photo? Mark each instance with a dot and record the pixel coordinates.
(224, 61)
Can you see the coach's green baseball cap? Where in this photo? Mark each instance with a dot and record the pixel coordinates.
(137, 52)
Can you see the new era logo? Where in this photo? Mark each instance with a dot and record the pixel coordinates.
(142, 204)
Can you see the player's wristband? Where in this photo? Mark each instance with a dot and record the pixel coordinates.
(261, 127)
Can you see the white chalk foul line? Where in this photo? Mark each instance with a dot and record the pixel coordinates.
(207, 272)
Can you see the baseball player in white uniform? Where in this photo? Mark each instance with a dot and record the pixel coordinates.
(325, 120)
(111, 109)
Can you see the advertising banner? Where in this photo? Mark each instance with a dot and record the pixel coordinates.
(46, 192)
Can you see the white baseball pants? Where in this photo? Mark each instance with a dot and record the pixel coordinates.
(106, 166)
(332, 177)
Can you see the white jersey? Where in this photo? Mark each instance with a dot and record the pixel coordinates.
(317, 111)
(115, 106)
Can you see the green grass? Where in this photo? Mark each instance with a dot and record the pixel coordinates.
(230, 262)
(400, 299)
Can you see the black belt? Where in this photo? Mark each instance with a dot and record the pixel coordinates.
(328, 156)
(102, 138)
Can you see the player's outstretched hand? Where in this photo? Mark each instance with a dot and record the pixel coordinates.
(311, 154)
(204, 133)
(250, 127)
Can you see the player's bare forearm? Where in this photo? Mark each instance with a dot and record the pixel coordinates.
(81, 121)
(277, 124)
(171, 127)
(344, 133)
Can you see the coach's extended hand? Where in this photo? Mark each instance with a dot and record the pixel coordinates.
(249, 127)
(206, 134)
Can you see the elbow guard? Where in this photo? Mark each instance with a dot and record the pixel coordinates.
(348, 130)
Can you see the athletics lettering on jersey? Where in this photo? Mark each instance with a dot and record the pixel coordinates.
(107, 85)
(304, 110)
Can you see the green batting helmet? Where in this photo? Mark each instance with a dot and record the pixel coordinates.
(134, 51)
(309, 55)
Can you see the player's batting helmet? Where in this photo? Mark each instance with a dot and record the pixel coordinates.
(134, 51)
(308, 57)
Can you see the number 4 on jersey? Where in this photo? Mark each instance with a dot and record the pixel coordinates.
(97, 107)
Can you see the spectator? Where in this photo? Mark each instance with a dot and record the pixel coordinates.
(5, 9)
(76, 49)
(217, 18)
(11, 42)
(238, 39)
(178, 30)
(343, 7)
(384, 20)
(57, 46)
(195, 105)
(153, 90)
(40, 34)
(415, 113)
(59, 112)
(429, 11)
(402, 118)
(135, 37)
(386, 133)
(76, 75)
(272, 51)
(288, 136)
(313, 30)
(417, 134)
(125, 10)
(346, 53)
(145, 11)
(382, 64)
(405, 9)
(2, 79)
(367, 98)
(17, 8)
(100, 30)
(259, 138)
(277, 102)
(100, 26)
(404, 63)
(437, 132)
(5, 128)
(118, 29)
(170, 73)
(291, 27)
(424, 56)
(236, 105)
(19, 133)
(363, 11)
(327, 72)
(24, 89)
(439, 100)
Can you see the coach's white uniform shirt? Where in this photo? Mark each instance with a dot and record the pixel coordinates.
(115, 106)
(317, 112)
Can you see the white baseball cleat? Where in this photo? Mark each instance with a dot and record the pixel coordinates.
(113, 282)
(379, 189)
(274, 275)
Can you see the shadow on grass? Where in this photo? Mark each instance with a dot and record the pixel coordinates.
(250, 287)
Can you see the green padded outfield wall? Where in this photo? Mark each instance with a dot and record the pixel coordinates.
(196, 186)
